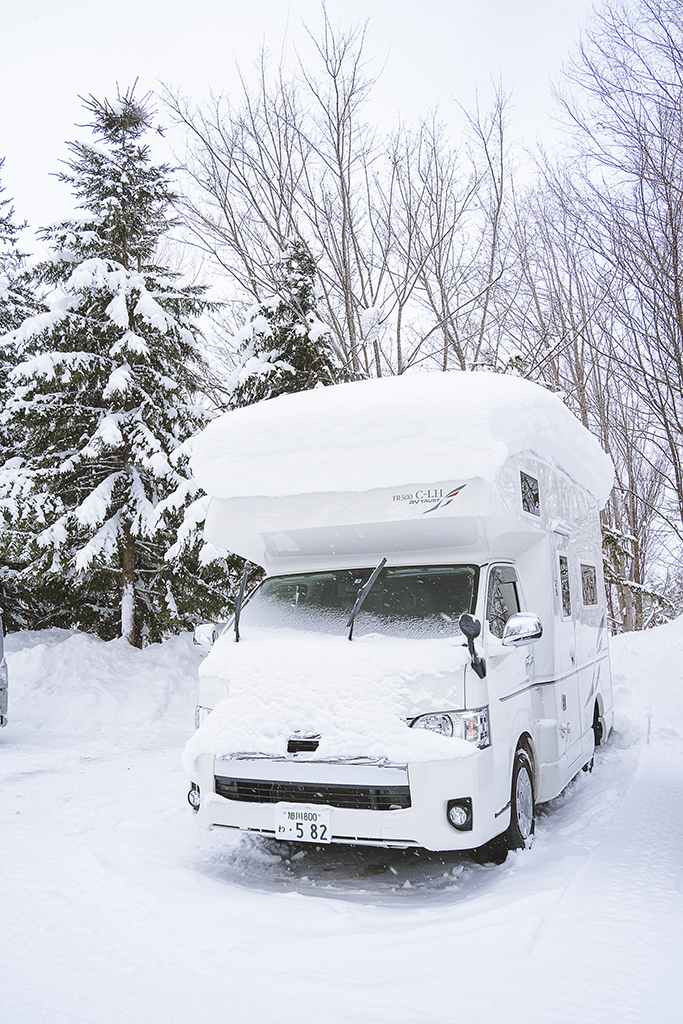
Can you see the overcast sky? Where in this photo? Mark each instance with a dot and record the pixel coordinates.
(429, 53)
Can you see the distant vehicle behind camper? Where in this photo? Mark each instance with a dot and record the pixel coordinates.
(3, 678)
(427, 661)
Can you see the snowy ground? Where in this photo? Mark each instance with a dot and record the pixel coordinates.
(115, 908)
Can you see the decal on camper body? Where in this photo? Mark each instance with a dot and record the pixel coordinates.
(433, 496)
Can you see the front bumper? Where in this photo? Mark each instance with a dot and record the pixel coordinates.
(423, 823)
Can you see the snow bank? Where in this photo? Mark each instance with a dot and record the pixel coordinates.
(355, 695)
(63, 681)
(648, 686)
(394, 431)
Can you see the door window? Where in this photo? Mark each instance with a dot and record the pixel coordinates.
(503, 599)
(565, 588)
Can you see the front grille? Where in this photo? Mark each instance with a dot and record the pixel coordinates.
(360, 798)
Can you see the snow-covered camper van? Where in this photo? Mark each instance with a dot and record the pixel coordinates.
(426, 659)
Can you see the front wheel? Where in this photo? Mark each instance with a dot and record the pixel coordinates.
(522, 810)
(522, 815)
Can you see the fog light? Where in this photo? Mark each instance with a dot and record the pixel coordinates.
(459, 814)
(193, 797)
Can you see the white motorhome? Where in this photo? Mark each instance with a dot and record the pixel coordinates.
(426, 659)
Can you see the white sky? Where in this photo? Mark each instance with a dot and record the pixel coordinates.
(433, 52)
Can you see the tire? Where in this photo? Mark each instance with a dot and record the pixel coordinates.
(598, 728)
(522, 808)
(522, 815)
(493, 852)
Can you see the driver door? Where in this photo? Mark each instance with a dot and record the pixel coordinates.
(510, 670)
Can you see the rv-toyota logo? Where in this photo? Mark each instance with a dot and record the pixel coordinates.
(432, 496)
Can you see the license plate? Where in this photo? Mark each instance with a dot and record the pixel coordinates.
(302, 823)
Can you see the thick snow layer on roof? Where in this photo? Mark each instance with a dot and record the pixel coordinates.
(394, 431)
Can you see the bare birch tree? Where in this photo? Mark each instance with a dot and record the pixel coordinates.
(564, 318)
(627, 117)
(405, 228)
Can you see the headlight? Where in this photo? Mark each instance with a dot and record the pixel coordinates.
(472, 726)
(200, 715)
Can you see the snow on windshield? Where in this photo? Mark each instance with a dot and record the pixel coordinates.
(392, 431)
(424, 601)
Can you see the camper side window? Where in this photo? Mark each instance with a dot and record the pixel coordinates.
(589, 584)
(503, 600)
(564, 586)
(531, 498)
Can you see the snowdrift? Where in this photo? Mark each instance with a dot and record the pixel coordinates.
(63, 681)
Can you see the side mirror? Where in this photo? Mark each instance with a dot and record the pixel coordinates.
(471, 628)
(522, 629)
(205, 635)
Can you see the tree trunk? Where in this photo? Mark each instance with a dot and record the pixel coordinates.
(128, 620)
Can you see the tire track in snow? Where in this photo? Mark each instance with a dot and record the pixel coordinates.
(624, 896)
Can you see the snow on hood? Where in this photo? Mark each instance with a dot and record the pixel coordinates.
(355, 695)
(393, 431)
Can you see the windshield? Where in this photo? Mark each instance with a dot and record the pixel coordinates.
(415, 601)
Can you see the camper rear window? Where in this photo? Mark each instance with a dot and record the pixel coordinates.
(413, 601)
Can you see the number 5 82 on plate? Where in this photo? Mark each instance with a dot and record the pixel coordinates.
(302, 823)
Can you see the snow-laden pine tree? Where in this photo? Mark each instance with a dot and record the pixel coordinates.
(17, 297)
(103, 403)
(18, 300)
(284, 346)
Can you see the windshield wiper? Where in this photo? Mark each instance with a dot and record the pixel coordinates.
(238, 602)
(362, 594)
